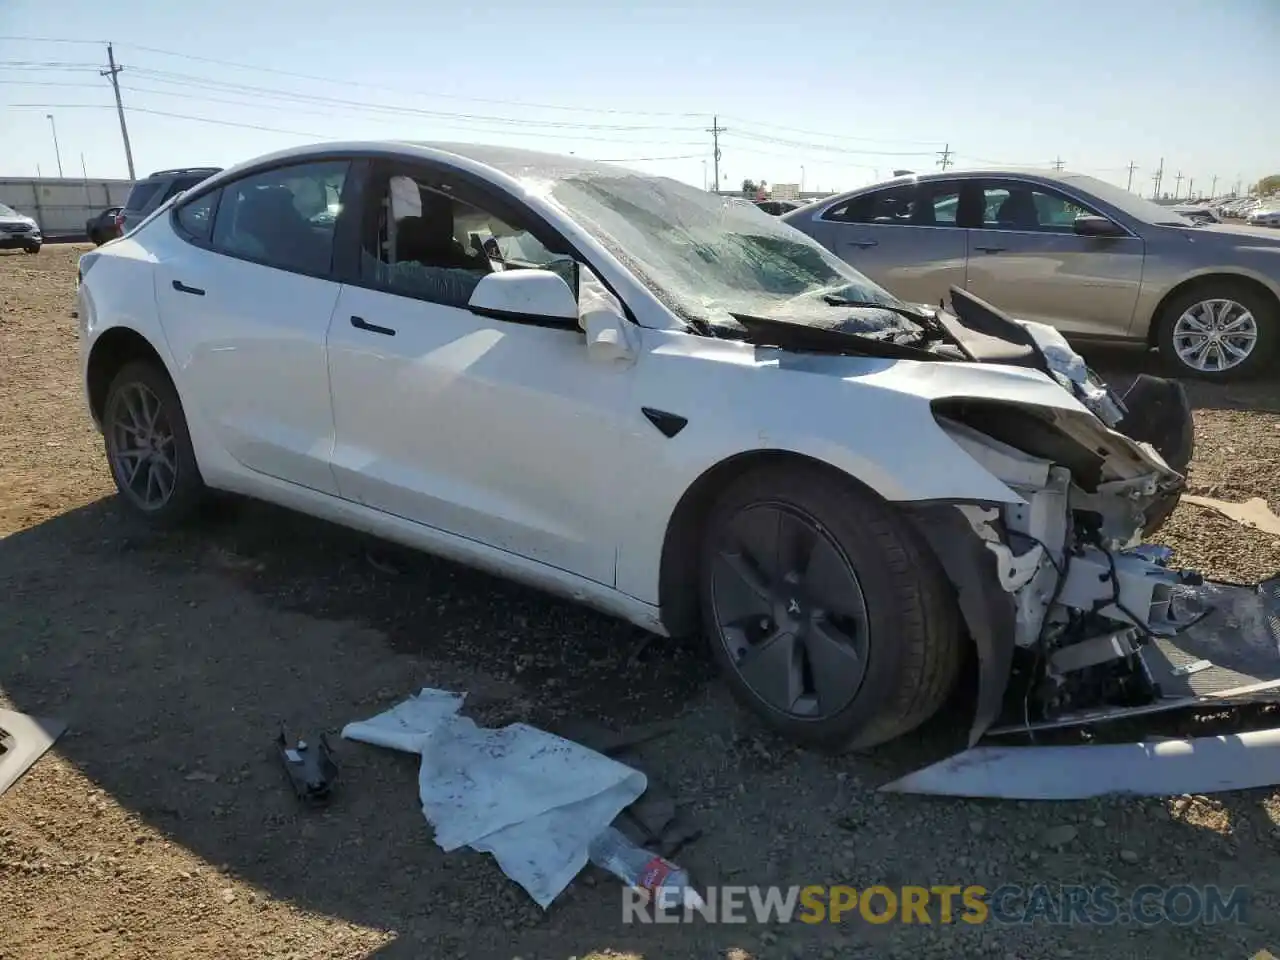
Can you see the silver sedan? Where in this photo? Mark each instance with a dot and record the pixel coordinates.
(1082, 255)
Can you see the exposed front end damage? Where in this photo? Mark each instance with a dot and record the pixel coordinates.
(1073, 619)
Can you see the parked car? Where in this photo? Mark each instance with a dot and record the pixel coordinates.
(1079, 254)
(18, 231)
(1196, 211)
(658, 402)
(776, 208)
(151, 192)
(1265, 217)
(104, 226)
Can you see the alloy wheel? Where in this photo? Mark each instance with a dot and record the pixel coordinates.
(1215, 335)
(790, 611)
(143, 447)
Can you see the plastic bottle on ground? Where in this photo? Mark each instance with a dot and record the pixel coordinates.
(667, 885)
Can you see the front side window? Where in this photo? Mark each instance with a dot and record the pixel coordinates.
(424, 241)
(283, 218)
(1022, 206)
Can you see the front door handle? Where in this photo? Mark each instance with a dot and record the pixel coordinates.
(360, 323)
(990, 249)
(862, 244)
(183, 288)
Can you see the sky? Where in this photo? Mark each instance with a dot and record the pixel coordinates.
(828, 94)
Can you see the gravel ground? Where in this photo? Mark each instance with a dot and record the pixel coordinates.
(161, 826)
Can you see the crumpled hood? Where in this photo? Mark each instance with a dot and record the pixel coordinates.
(1126, 459)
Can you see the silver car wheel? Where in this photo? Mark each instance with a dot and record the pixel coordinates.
(1215, 335)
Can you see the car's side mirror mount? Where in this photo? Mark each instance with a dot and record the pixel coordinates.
(525, 295)
(1091, 226)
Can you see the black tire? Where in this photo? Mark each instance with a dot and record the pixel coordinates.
(913, 641)
(32, 248)
(188, 492)
(1266, 314)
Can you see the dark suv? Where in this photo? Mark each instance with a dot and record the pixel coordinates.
(151, 192)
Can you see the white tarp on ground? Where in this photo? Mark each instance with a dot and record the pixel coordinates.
(532, 799)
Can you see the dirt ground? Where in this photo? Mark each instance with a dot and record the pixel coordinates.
(162, 826)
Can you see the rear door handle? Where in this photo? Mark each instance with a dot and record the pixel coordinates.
(183, 288)
(862, 244)
(360, 323)
(990, 249)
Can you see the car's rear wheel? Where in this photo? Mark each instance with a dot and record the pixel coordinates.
(828, 616)
(1219, 330)
(149, 447)
(32, 248)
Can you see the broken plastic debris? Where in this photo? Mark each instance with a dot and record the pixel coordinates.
(310, 767)
(532, 799)
(23, 740)
(1252, 513)
(1155, 768)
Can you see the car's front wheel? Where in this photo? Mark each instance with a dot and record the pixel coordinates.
(1219, 330)
(148, 446)
(828, 616)
(32, 248)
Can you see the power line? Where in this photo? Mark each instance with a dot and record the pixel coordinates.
(365, 111)
(800, 145)
(835, 136)
(161, 76)
(95, 43)
(374, 86)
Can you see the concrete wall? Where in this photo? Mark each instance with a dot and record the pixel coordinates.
(61, 206)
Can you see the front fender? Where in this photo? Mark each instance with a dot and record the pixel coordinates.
(989, 612)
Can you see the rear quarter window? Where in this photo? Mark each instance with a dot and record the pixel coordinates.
(195, 217)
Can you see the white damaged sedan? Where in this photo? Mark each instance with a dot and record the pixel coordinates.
(673, 408)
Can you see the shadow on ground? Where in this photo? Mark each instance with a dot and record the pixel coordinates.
(176, 658)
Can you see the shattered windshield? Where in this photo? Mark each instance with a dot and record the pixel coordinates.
(708, 257)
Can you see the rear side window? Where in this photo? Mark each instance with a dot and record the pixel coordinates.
(284, 217)
(141, 194)
(195, 219)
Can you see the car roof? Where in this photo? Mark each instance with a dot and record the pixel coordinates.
(503, 165)
(966, 173)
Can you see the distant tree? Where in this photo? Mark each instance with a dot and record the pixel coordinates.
(1269, 184)
(749, 188)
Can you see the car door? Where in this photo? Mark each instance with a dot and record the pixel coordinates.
(245, 304)
(1026, 258)
(904, 237)
(503, 432)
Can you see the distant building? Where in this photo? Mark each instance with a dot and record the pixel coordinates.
(785, 191)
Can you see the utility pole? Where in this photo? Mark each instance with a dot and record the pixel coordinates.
(1057, 164)
(56, 152)
(944, 156)
(1191, 187)
(113, 72)
(1213, 190)
(1177, 185)
(715, 132)
(1157, 177)
(1132, 167)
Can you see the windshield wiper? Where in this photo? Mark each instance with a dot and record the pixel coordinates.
(910, 313)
